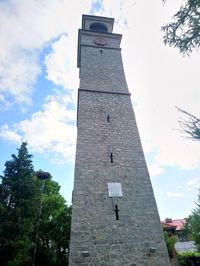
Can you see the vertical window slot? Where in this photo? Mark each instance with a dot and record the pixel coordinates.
(116, 210)
(111, 157)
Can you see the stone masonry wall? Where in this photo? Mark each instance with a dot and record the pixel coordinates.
(103, 71)
(97, 238)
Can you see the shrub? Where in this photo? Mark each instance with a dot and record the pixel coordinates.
(186, 257)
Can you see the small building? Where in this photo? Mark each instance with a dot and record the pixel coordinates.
(176, 228)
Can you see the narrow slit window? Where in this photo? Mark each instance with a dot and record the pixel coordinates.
(108, 118)
(101, 51)
(111, 157)
(116, 210)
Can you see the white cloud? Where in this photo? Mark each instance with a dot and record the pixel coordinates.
(9, 135)
(18, 73)
(155, 169)
(194, 183)
(156, 114)
(174, 194)
(26, 28)
(51, 130)
(60, 63)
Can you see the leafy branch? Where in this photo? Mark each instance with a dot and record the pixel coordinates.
(184, 30)
(190, 125)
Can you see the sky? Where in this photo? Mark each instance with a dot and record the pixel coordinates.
(39, 82)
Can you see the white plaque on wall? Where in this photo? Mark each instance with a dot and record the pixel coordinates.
(114, 190)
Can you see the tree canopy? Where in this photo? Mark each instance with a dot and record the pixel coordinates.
(183, 32)
(34, 218)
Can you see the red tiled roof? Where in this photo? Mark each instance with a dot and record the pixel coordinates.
(179, 224)
(167, 226)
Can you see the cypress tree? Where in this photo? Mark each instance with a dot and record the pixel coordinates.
(18, 205)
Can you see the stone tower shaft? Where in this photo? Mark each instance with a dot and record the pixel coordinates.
(115, 219)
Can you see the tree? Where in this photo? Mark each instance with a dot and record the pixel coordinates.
(190, 125)
(184, 31)
(18, 193)
(34, 218)
(193, 223)
(170, 242)
(54, 227)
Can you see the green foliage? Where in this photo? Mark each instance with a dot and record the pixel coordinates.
(184, 257)
(170, 242)
(54, 227)
(187, 229)
(18, 196)
(184, 31)
(194, 224)
(34, 219)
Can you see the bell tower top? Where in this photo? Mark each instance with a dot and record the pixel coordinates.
(96, 32)
(97, 24)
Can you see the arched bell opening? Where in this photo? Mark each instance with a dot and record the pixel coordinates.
(98, 27)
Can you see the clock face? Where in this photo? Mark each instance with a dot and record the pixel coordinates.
(100, 41)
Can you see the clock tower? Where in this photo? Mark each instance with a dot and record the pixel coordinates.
(115, 221)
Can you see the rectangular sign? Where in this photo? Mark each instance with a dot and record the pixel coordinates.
(114, 190)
